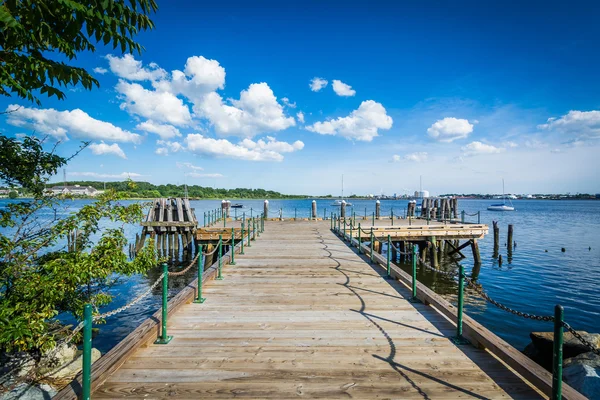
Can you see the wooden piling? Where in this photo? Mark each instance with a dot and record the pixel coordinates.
(475, 249)
(496, 231)
(343, 209)
(509, 240)
(377, 209)
(433, 255)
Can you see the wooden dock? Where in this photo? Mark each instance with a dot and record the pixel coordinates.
(301, 314)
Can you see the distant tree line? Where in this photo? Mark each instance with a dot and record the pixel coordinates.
(149, 190)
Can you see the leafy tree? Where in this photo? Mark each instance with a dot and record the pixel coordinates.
(13, 194)
(35, 30)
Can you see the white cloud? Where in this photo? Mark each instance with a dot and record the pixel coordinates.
(300, 116)
(396, 158)
(103, 148)
(168, 147)
(317, 84)
(75, 123)
(131, 69)
(362, 124)
(510, 144)
(535, 144)
(261, 150)
(122, 175)
(100, 70)
(478, 148)
(199, 175)
(417, 157)
(165, 131)
(257, 111)
(450, 129)
(579, 124)
(341, 89)
(158, 106)
(288, 103)
(188, 165)
(205, 76)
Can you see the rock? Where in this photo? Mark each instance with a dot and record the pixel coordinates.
(582, 372)
(66, 372)
(14, 367)
(27, 391)
(64, 354)
(541, 347)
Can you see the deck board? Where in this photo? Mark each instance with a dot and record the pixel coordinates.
(310, 318)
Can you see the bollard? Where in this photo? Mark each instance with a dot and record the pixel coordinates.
(459, 339)
(199, 298)
(372, 245)
(242, 243)
(266, 208)
(86, 372)
(378, 209)
(314, 209)
(389, 252)
(164, 338)
(232, 247)
(359, 242)
(220, 275)
(557, 354)
(414, 273)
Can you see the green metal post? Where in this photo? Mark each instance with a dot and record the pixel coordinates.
(232, 247)
(257, 228)
(344, 228)
(351, 231)
(199, 298)
(354, 216)
(331, 221)
(414, 273)
(557, 354)
(373, 218)
(204, 218)
(459, 339)
(253, 228)
(164, 338)
(478, 217)
(324, 214)
(389, 252)
(462, 216)
(220, 274)
(365, 213)
(262, 222)
(372, 243)
(295, 214)
(250, 212)
(242, 243)
(359, 242)
(392, 217)
(86, 373)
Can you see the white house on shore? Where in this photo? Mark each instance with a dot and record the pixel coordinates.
(76, 190)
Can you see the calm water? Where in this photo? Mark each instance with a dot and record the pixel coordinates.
(538, 276)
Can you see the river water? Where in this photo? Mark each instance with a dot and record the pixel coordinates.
(538, 276)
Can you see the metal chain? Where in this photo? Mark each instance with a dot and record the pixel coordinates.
(449, 274)
(479, 290)
(49, 356)
(592, 348)
(182, 272)
(131, 303)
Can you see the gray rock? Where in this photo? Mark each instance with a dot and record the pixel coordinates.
(26, 391)
(541, 347)
(69, 370)
(583, 374)
(14, 367)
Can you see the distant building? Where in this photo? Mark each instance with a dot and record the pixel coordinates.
(424, 193)
(75, 190)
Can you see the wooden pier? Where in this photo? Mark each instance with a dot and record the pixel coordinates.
(302, 314)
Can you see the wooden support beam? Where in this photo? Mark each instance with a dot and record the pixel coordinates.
(459, 248)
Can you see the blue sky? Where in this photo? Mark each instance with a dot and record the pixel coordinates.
(291, 96)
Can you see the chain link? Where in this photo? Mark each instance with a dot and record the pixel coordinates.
(182, 272)
(449, 274)
(592, 348)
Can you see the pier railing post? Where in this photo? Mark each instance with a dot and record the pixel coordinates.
(250, 212)
(557, 354)
(373, 221)
(392, 217)
(479, 216)
(86, 372)
(249, 232)
(344, 229)
(351, 230)
(372, 245)
(204, 218)
(462, 216)
(199, 298)
(262, 223)
(414, 273)
(220, 273)
(295, 214)
(242, 243)
(359, 242)
(331, 221)
(459, 339)
(232, 246)
(253, 228)
(164, 338)
(388, 253)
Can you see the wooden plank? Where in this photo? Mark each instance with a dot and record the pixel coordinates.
(161, 215)
(167, 224)
(188, 210)
(169, 212)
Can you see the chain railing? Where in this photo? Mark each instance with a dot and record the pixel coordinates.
(89, 318)
(464, 281)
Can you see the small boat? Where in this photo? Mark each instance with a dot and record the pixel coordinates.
(338, 203)
(502, 206)
(237, 206)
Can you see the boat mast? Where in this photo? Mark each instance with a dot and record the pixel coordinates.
(421, 186)
(342, 186)
(503, 195)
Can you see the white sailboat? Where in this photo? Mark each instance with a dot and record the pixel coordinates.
(339, 202)
(502, 206)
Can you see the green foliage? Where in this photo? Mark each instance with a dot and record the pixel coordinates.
(149, 191)
(34, 30)
(13, 194)
(38, 284)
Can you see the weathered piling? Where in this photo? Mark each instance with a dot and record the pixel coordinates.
(475, 249)
(343, 209)
(314, 209)
(266, 208)
(377, 209)
(496, 231)
(433, 255)
(509, 240)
